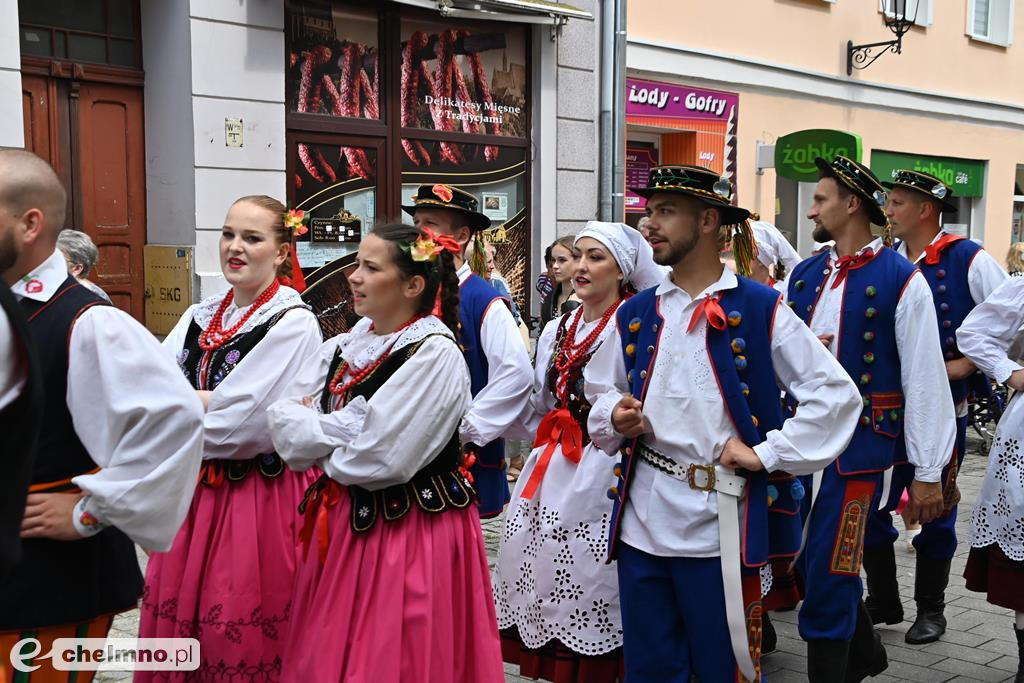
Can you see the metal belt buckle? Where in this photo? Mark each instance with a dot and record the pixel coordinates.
(709, 477)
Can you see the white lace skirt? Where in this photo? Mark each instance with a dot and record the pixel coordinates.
(999, 512)
(551, 579)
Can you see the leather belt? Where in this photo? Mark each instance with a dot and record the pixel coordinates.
(732, 487)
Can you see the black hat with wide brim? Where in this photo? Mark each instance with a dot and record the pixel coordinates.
(697, 182)
(926, 184)
(441, 196)
(859, 179)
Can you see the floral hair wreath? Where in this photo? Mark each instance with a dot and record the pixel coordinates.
(295, 220)
(428, 245)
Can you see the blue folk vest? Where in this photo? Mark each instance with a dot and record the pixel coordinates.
(867, 349)
(951, 294)
(475, 296)
(741, 358)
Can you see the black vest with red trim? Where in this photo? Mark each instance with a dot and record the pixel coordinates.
(19, 428)
(62, 582)
(867, 349)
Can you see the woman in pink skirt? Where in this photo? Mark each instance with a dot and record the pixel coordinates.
(227, 579)
(394, 585)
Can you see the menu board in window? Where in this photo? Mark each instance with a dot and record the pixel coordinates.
(333, 60)
(462, 78)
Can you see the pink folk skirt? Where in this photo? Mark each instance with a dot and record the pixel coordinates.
(228, 578)
(407, 601)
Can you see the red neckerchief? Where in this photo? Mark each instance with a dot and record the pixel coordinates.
(712, 310)
(847, 263)
(933, 251)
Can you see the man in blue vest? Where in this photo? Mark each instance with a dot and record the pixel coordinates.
(961, 275)
(688, 388)
(500, 373)
(872, 309)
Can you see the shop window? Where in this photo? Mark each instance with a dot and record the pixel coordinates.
(1017, 230)
(88, 31)
(383, 97)
(921, 9)
(990, 21)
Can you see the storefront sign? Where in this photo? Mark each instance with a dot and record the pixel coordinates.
(965, 176)
(639, 162)
(651, 98)
(795, 153)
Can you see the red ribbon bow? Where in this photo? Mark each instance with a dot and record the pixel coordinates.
(315, 518)
(712, 310)
(558, 428)
(212, 473)
(847, 263)
(933, 251)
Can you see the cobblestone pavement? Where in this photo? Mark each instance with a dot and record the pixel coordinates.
(979, 644)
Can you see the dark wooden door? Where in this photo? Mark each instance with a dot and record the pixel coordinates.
(92, 135)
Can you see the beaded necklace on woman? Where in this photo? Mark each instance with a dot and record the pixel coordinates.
(569, 354)
(215, 336)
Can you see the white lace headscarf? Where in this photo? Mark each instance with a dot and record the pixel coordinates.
(629, 249)
(773, 247)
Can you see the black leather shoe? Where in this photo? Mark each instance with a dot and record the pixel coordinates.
(826, 660)
(883, 601)
(930, 596)
(867, 653)
(769, 638)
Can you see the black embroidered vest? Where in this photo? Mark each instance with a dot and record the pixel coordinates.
(575, 399)
(19, 430)
(60, 582)
(438, 486)
(209, 374)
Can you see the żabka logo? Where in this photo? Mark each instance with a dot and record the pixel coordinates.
(108, 654)
(801, 158)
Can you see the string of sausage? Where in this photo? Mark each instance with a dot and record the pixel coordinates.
(316, 57)
(414, 149)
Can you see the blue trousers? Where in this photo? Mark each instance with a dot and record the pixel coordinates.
(830, 562)
(937, 540)
(673, 618)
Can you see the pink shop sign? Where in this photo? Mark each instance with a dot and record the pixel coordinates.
(667, 100)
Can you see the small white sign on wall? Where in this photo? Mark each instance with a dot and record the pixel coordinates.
(232, 132)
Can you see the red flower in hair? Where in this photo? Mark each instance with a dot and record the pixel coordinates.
(442, 192)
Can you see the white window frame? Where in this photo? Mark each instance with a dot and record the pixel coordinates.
(996, 7)
(924, 14)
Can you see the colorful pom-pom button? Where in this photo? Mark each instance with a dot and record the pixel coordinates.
(739, 345)
(869, 358)
(650, 349)
(741, 362)
(865, 378)
(879, 417)
(629, 376)
(943, 307)
(745, 389)
(865, 420)
(630, 350)
(867, 401)
(753, 418)
(894, 415)
(796, 489)
(869, 336)
(613, 492)
(950, 355)
(617, 469)
(950, 341)
(940, 274)
(800, 284)
(773, 494)
(871, 312)
(735, 318)
(941, 289)
(947, 324)
(791, 304)
(871, 291)
(634, 325)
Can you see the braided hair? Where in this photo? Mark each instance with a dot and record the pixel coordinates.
(442, 282)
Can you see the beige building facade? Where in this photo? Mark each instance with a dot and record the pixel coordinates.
(726, 84)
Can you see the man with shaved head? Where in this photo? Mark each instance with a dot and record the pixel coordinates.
(119, 453)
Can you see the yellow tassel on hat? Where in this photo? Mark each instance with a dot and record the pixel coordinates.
(478, 264)
(744, 247)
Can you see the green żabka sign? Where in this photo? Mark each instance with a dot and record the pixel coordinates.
(965, 176)
(795, 153)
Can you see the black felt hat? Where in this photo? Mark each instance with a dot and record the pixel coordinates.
(443, 196)
(925, 184)
(697, 182)
(859, 179)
